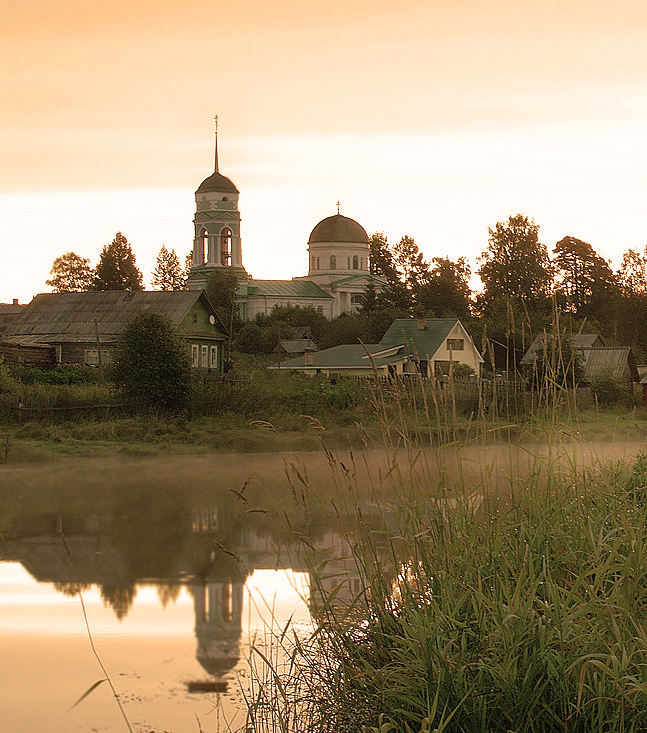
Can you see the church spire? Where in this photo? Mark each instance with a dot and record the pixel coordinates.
(216, 159)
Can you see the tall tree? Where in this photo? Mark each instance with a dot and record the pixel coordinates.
(446, 291)
(382, 258)
(632, 275)
(515, 264)
(411, 264)
(116, 269)
(168, 274)
(585, 284)
(70, 273)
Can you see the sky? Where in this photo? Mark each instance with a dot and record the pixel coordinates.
(432, 118)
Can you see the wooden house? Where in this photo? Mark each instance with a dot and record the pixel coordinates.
(83, 328)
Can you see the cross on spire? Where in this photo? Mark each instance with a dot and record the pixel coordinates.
(338, 205)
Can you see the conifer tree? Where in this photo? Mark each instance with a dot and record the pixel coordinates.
(168, 274)
(116, 269)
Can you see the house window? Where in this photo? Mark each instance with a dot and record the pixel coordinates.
(204, 356)
(455, 344)
(225, 246)
(355, 262)
(333, 262)
(195, 355)
(213, 357)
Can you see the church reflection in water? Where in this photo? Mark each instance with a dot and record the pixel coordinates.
(209, 551)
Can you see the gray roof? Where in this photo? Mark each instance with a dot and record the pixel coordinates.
(76, 317)
(286, 289)
(578, 340)
(618, 362)
(297, 346)
(349, 356)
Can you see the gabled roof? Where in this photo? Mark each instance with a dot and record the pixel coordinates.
(578, 340)
(425, 342)
(77, 317)
(296, 346)
(286, 289)
(349, 356)
(614, 361)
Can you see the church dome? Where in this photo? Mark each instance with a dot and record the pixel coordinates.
(338, 228)
(217, 183)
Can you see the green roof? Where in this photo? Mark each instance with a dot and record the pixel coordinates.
(425, 343)
(286, 289)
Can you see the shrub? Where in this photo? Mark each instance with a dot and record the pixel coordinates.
(152, 366)
(609, 389)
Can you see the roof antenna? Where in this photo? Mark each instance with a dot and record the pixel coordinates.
(216, 161)
(338, 205)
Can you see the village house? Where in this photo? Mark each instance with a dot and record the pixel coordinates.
(425, 346)
(83, 328)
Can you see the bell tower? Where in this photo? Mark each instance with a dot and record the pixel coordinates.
(216, 242)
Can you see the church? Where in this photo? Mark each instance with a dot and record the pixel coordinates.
(338, 257)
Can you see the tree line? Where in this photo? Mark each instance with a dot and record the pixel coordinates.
(116, 270)
(525, 290)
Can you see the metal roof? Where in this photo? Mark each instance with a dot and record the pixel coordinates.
(77, 317)
(578, 340)
(349, 356)
(618, 362)
(286, 289)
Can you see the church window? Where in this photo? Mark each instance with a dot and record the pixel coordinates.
(203, 247)
(333, 262)
(355, 262)
(194, 317)
(348, 263)
(317, 263)
(313, 263)
(225, 246)
(320, 309)
(224, 198)
(356, 299)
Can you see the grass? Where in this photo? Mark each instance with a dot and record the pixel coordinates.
(525, 613)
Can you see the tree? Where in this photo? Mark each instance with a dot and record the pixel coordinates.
(221, 291)
(71, 273)
(632, 275)
(586, 285)
(413, 268)
(152, 366)
(116, 269)
(516, 264)
(168, 274)
(382, 258)
(446, 291)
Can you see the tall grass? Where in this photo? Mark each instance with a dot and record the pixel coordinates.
(524, 614)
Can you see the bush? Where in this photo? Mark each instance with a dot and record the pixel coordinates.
(608, 389)
(152, 366)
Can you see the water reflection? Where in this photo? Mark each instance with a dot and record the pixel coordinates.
(205, 550)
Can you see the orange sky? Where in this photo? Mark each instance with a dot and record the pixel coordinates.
(435, 119)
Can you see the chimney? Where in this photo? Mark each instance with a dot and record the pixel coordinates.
(422, 324)
(15, 301)
(308, 358)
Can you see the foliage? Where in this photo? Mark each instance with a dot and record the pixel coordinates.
(7, 382)
(586, 285)
(516, 264)
(632, 275)
(152, 364)
(70, 273)
(116, 269)
(609, 389)
(61, 374)
(446, 291)
(524, 616)
(557, 365)
(168, 274)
